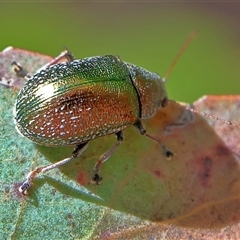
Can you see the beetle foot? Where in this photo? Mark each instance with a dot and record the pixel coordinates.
(96, 179)
(168, 154)
(23, 189)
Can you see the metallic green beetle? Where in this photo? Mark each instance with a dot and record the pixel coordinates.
(77, 101)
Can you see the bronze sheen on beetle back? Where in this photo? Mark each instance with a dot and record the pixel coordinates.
(74, 102)
(77, 101)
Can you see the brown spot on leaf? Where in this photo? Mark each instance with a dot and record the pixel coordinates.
(158, 174)
(205, 171)
(81, 178)
(222, 150)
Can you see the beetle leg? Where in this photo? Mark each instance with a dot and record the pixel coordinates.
(142, 130)
(96, 177)
(79, 149)
(23, 73)
(20, 71)
(63, 55)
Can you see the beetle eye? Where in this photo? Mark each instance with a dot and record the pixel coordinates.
(164, 102)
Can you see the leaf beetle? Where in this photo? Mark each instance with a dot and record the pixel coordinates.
(73, 102)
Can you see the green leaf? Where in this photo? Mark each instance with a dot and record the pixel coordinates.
(142, 195)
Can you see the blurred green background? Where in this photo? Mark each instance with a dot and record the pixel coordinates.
(146, 34)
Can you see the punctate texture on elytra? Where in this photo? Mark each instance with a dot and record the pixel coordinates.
(73, 102)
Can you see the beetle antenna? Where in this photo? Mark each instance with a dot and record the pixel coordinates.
(181, 51)
(213, 117)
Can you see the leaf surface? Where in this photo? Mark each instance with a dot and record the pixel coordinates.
(142, 195)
